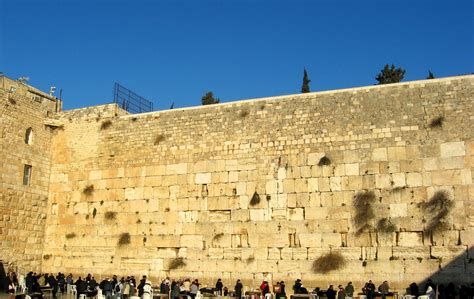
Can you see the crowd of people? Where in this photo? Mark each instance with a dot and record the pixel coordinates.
(126, 287)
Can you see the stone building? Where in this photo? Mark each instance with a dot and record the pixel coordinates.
(354, 184)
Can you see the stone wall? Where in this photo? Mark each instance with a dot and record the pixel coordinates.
(235, 190)
(23, 208)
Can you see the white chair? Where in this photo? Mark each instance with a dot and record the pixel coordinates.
(424, 297)
(74, 290)
(82, 296)
(134, 297)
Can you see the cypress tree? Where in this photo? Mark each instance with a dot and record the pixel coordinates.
(305, 86)
(430, 75)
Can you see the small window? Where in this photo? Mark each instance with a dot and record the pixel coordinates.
(27, 175)
(29, 136)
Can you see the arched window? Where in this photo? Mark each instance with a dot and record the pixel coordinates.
(29, 136)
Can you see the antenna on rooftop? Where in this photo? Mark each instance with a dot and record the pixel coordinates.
(52, 89)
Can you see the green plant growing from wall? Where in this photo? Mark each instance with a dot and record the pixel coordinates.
(94, 212)
(255, 200)
(88, 190)
(124, 239)
(177, 263)
(438, 209)
(217, 237)
(364, 212)
(328, 262)
(46, 257)
(110, 215)
(243, 113)
(106, 124)
(385, 226)
(250, 259)
(436, 122)
(159, 138)
(70, 235)
(324, 161)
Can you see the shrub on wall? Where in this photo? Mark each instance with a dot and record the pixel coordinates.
(124, 239)
(159, 139)
(324, 161)
(438, 209)
(328, 262)
(255, 200)
(385, 226)
(110, 215)
(437, 122)
(88, 190)
(105, 124)
(177, 263)
(364, 212)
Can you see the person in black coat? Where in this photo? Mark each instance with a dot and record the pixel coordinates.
(331, 293)
(238, 289)
(219, 286)
(414, 290)
(81, 287)
(370, 289)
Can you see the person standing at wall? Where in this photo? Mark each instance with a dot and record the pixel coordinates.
(349, 290)
(384, 289)
(341, 294)
(238, 289)
(219, 287)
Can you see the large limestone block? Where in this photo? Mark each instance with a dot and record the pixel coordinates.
(260, 214)
(398, 210)
(414, 179)
(379, 154)
(331, 240)
(316, 213)
(310, 239)
(413, 252)
(191, 241)
(452, 149)
(409, 239)
(219, 216)
(295, 214)
(203, 178)
(273, 240)
(352, 169)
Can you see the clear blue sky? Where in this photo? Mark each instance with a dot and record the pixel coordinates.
(175, 51)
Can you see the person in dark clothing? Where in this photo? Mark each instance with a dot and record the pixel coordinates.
(61, 282)
(81, 287)
(331, 293)
(53, 283)
(175, 290)
(164, 288)
(341, 294)
(450, 291)
(238, 289)
(370, 289)
(141, 285)
(282, 289)
(414, 290)
(219, 286)
(107, 288)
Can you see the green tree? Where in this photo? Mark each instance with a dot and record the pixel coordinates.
(209, 99)
(390, 74)
(430, 75)
(305, 86)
